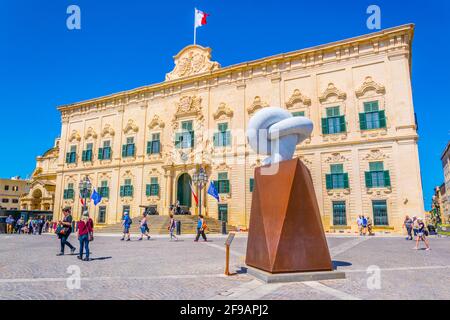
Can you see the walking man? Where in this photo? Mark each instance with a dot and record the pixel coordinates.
(126, 223)
(359, 222)
(10, 225)
(408, 224)
(201, 227)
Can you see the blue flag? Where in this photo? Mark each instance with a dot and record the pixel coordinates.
(96, 197)
(212, 191)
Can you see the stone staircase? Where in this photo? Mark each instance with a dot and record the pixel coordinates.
(158, 225)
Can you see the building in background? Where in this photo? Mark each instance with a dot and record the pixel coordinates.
(142, 146)
(41, 194)
(446, 186)
(10, 192)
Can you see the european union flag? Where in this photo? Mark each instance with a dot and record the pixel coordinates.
(96, 197)
(212, 191)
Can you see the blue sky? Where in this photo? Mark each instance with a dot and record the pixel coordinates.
(127, 44)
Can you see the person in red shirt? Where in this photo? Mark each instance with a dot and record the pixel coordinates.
(85, 235)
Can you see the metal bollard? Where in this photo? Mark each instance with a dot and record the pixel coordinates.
(178, 228)
(224, 227)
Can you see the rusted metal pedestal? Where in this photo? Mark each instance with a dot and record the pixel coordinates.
(286, 233)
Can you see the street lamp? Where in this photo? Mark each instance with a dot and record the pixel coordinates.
(200, 179)
(85, 188)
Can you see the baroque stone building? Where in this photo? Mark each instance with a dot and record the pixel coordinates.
(142, 146)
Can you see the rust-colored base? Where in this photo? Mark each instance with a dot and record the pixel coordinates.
(286, 233)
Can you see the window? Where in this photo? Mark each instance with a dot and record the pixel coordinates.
(15, 201)
(222, 138)
(15, 188)
(223, 184)
(380, 215)
(334, 122)
(69, 193)
(104, 189)
(5, 200)
(128, 149)
(6, 188)
(298, 114)
(154, 146)
(185, 139)
(71, 157)
(337, 179)
(152, 189)
(252, 184)
(101, 215)
(126, 209)
(339, 213)
(223, 212)
(87, 154)
(105, 152)
(127, 189)
(377, 177)
(372, 118)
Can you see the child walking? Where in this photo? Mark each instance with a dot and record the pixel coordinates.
(171, 228)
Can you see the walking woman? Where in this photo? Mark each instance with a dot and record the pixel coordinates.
(85, 235)
(144, 228)
(171, 228)
(64, 230)
(421, 236)
(201, 227)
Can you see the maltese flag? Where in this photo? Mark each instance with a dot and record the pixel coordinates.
(200, 18)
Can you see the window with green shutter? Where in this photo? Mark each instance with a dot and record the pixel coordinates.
(152, 189)
(223, 184)
(337, 179)
(129, 149)
(154, 146)
(298, 114)
(380, 213)
(339, 213)
(222, 138)
(69, 193)
(373, 117)
(127, 189)
(103, 190)
(87, 154)
(105, 152)
(252, 184)
(185, 139)
(377, 177)
(71, 157)
(333, 123)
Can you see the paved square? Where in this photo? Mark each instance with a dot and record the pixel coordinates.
(160, 269)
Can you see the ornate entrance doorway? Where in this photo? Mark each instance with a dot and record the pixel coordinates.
(184, 190)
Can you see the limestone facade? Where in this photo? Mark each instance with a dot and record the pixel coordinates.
(362, 154)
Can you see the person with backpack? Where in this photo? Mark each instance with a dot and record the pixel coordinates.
(144, 228)
(422, 235)
(171, 228)
(201, 227)
(126, 223)
(85, 235)
(364, 225)
(64, 230)
(408, 224)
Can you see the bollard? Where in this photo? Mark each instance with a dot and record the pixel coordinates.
(178, 227)
(224, 227)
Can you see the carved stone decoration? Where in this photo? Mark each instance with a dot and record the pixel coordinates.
(131, 126)
(75, 136)
(256, 105)
(108, 130)
(285, 216)
(223, 111)
(297, 97)
(370, 85)
(336, 158)
(375, 155)
(332, 91)
(188, 106)
(90, 133)
(192, 60)
(156, 123)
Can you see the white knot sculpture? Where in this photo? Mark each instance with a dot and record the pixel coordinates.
(275, 132)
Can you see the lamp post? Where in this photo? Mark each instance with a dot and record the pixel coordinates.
(200, 179)
(85, 188)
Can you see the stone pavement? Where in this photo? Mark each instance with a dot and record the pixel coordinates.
(161, 269)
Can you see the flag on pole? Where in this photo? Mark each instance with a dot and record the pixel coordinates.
(199, 20)
(194, 194)
(212, 191)
(96, 197)
(82, 201)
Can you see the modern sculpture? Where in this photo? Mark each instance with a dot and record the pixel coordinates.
(286, 233)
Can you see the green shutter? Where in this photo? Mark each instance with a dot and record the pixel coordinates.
(83, 156)
(133, 150)
(346, 181)
(192, 139)
(343, 124)
(227, 186)
(228, 138)
(68, 157)
(149, 147)
(216, 139)
(325, 126)
(369, 183)
(100, 154)
(362, 121)
(387, 179)
(124, 151)
(329, 181)
(252, 185)
(122, 191)
(382, 118)
(147, 190)
(65, 194)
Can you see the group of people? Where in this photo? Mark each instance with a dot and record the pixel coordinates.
(365, 226)
(37, 225)
(145, 229)
(416, 226)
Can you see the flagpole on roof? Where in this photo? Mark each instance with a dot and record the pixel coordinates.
(195, 27)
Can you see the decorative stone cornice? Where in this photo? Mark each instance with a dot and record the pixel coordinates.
(370, 85)
(90, 133)
(191, 61)
(75, 136)
(297, 97)
(223, 111)
(131, 126)
(156, 123)
(332, 91)
(336, 158)
(108, 130)
(188, 106)
(375, 155)
(256, 105)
